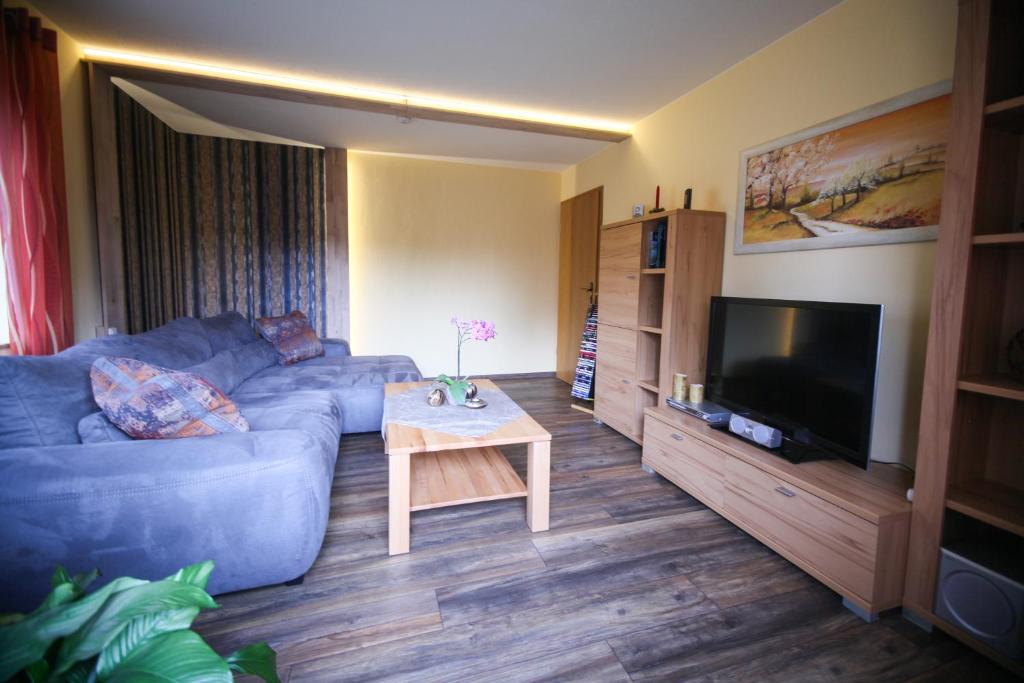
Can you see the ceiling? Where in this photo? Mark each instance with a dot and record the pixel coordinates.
(610, 59)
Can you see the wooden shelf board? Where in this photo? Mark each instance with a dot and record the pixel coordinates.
(648, 384)
(967, 639)
(992, 503)
(648, 328)
(1006, 115)
(652, 271)
(1000, 238)
(457, 477)
(662, 214)
(1005, 105)
(993, 385)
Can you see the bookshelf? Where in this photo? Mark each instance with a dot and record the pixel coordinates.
(969, 483)
(657, 274)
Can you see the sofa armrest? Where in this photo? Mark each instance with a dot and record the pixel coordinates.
(255, 503)
(336, 347)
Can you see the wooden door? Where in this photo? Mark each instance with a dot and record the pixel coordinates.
(577, 275)
(620, 275)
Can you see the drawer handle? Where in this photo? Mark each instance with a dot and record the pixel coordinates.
(631, 277)
(784, 491)
(677, 437)
(625, 381)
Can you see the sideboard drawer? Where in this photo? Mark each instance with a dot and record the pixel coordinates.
(835, 543)
(687, 462)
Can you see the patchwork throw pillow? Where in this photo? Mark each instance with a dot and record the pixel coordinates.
(149, 402)
(292, 336)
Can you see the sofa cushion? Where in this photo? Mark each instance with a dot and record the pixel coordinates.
(96, 428)
(332, 373)
(231, 367)
(292, 336)
(227, 331)
(314, 412)
(176, 345)
(357, 383)
(254, 503)
(149, 402)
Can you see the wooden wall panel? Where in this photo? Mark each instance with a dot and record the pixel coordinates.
(336, 176)
(108, 198)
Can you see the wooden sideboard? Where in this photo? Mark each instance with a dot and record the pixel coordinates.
(845, 526)
(653, 321)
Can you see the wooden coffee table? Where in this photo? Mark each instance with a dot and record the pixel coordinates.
(428, 469)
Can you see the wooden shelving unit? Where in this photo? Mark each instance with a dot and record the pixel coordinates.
(969, 483)
(652, 319)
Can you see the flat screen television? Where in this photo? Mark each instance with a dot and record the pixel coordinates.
(804, 367)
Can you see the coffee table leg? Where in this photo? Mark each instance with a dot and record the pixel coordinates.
(398, 504)
(538, 484)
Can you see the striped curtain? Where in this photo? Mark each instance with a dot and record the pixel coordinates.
(33, 203)
(212, 224)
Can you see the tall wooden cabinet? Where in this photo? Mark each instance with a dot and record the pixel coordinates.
(969, 484)
(653, 321)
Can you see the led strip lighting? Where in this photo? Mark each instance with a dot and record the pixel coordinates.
(440, 104)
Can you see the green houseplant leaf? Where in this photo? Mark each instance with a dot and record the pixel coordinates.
(121, 608)
(258, 659)
(128, 630)
(137, 632)
(26, 641)
(195, 574)
(179, 656)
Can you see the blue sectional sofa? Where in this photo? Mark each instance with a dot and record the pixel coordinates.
(256, 502)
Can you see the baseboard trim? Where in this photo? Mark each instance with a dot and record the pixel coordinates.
(513, 375)
(524, 375)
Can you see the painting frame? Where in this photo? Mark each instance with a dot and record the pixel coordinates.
(894, 236)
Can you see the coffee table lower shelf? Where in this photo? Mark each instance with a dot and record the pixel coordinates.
(456, 477)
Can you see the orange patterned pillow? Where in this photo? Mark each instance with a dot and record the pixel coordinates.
(149, 402)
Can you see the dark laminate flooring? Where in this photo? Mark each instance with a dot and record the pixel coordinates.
(635, 581)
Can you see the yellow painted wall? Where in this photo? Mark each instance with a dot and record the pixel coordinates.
(859, 53)
(432, 239)
(74, 101)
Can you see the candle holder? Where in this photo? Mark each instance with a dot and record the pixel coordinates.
(657, 200)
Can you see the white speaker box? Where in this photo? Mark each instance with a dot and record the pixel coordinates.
(763, 435)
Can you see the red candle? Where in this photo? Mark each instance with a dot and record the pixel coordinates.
(657, 197)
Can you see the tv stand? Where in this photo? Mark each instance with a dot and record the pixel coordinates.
(844, 526)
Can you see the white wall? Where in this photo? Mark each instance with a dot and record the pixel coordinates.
(432, 239)
(857, 54)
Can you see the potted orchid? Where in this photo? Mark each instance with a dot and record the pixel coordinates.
(460, 388)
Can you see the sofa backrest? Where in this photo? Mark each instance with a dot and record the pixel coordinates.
(228, 331)
(42, 398)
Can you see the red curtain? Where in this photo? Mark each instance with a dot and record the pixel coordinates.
(33, 203)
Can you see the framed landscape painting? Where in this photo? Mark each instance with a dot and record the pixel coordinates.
(870, 177)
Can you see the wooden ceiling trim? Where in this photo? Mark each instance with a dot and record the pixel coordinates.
(239, 87)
